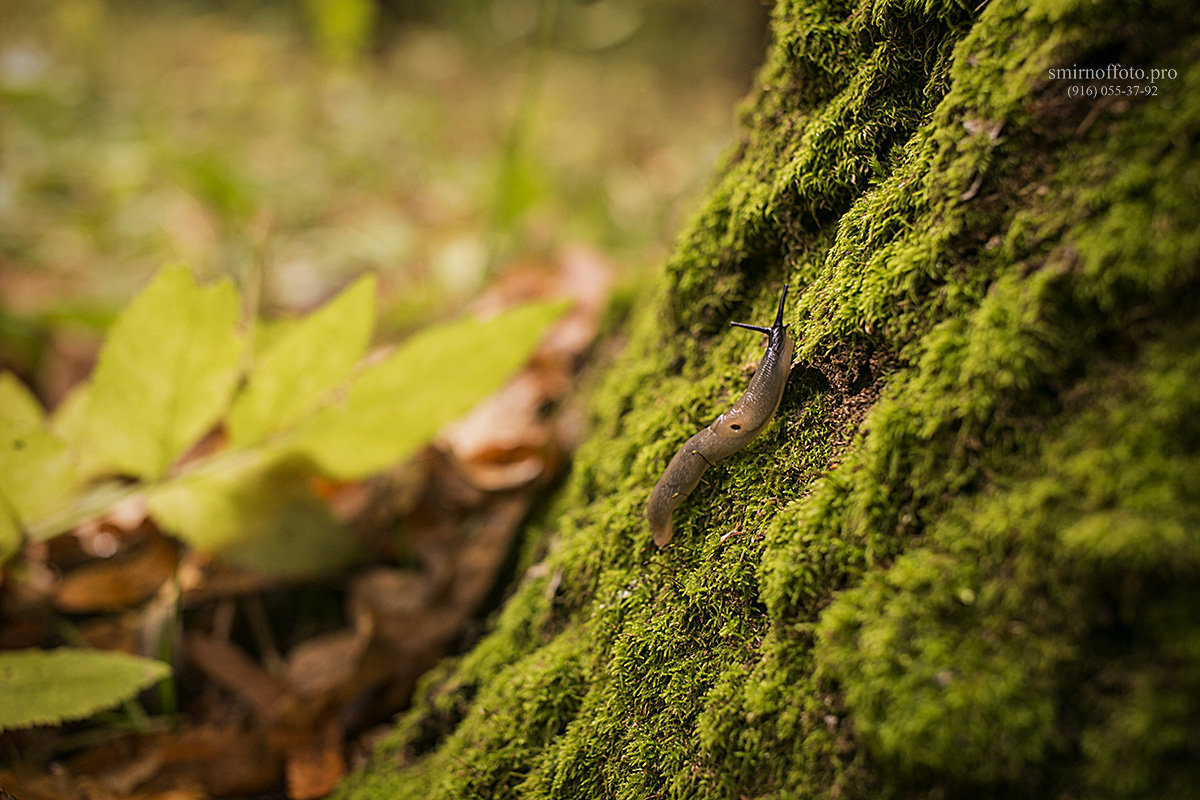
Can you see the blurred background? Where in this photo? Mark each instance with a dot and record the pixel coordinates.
(297, 143)
(471, 155)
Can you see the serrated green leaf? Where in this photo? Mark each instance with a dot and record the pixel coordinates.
(259, 513)
(165, 373)
(35, 472)
(305, 361)
(431, 379)
(46, 687)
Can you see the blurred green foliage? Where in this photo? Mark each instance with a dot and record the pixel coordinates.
(341, 28)
(176, 362)
(34, 471)
(312, 141)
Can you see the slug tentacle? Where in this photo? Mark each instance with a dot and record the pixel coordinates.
(729, 432)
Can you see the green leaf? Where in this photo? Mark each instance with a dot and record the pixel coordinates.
(10, 534)
(81, 506)
(165, 373)
(35, 471)
(18, 407)
(70, 416)
(431, 379)
(259, 513)
(269, 331)
(341, 28)
(307, 360)
(70, 420)
(214, 178)
(46, 687)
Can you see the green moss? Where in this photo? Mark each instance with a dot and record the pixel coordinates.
(1056, 611)
(984, 587)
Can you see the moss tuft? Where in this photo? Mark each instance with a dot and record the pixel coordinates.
(963, 559)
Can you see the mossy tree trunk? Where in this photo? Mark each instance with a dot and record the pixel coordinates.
(964, 560)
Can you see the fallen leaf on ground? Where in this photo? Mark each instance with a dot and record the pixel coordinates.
(314, 770)
(324, 663)
(120, 582)
(228, 666)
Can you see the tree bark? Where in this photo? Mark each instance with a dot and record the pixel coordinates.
(963, 559)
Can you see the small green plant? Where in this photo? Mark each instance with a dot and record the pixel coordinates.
(47, 687)
(295, 403)
(341, 29)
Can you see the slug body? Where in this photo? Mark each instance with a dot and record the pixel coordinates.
(729, 432)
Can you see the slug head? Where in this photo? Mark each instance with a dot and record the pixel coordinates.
(777, 328)
(749, 415)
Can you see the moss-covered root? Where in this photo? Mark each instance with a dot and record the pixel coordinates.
(987, 585)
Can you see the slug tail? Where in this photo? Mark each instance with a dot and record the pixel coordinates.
(663, 534)
(658, 512)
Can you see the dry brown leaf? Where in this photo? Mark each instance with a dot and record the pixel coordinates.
(203, 579)
(226, 665)
(314, 769)
(226, 760)
(27, 784)
(482, 553)
(384, 592)
(504, 442)
(177, 793)
(326, 663)
(424, 636)
(120, 582)
(580, 273)
(404, 612)
(20, 630)
(347, 501)
(507, 441)
(213, 441)
(121, 772)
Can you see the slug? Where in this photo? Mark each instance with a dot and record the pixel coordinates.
(730, 432)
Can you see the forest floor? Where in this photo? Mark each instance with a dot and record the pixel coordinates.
(471, 152)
